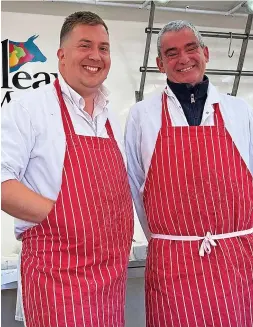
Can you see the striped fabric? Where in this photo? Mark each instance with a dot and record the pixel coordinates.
(74, 263)
(198, 183)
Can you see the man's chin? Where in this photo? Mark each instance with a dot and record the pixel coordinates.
(192, 81)
(92, 85)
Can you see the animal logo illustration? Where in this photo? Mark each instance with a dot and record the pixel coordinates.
(21, 53)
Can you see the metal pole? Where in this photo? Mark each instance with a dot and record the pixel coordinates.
(242, 55)
(236, 8)
(145, 4)
(139, 95)
(222, 35)
(208, 71)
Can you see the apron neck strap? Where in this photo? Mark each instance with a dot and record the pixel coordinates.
(218, 120)
(166, 120)
(109, 129)
(66, 120)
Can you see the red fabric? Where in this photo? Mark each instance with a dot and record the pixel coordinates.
(74, 263)
(198, 182)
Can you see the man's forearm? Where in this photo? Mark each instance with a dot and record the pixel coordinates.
(20, 202)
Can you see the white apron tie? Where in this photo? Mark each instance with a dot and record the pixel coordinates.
(208, 240)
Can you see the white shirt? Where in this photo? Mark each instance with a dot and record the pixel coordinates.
(144, 123)
(33, 138)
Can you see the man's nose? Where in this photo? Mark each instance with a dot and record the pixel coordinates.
(184, 58)
(94, 54)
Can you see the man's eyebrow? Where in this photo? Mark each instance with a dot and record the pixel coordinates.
(170, 49)
(85, 40)
(190, 44)
(89, 41)
(105, 43)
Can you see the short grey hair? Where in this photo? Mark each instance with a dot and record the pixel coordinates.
(175, 26)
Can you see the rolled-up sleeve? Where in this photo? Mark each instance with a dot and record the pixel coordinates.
(17, 141)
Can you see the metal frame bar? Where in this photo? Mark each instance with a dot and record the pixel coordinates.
(145, 4)
(208, 71)
(222, 35)
(139, 94)
(242, 56)
(236, 8)
(139, 6)
(237, 73)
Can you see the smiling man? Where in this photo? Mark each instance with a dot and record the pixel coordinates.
(190, 163)
(64, 178)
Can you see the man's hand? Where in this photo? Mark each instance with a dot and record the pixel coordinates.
(20, 202)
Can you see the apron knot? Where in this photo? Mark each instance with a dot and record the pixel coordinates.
(206, 244)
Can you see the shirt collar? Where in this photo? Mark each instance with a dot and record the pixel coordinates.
(213, 95)
(101, 98)
(183, 91)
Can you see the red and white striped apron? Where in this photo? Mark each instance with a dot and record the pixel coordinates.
(198, 185)
(74, 263)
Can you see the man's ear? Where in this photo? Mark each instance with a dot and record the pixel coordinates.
(206, 53)
(159, 63)
(60, 55)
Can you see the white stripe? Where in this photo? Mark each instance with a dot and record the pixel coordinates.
(231, 183)
(99, 231)
(60, 245)
(160, 135)
(243, 253)
(148, 297)
(210, 241)
(126, 249)
(154, 182)
(39, 287)
(172, 187)
(31, 307)
(233, 216)
(128, 222)
(68, 193)
(242, 181)
(113, 238)
(153, 300)
(188, 282)
(27, 282)
(180, 282)
(51, 270)
(211, 268)
(207, 212)
(200, 300)
(166, 193)
(108, 269)
(224, 295)
(225, 182)
(217, 183)
(158, 290)
(231, 262)
(186, 180)
(73, 215)
(164, 275)
(179, 184)
(236, 179)
(33, 281)
(152, 199)
(175, 295)
(250, 197)
(238, 265)
(68, 268)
